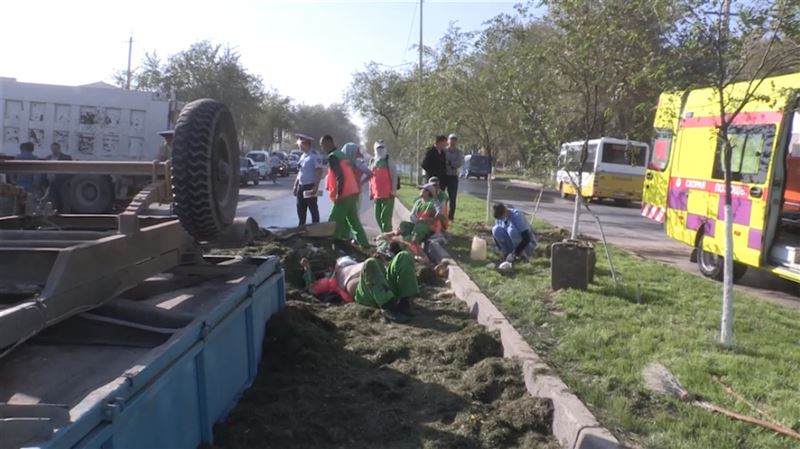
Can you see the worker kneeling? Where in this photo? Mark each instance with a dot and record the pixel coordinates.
(372, 285)
(512, 233)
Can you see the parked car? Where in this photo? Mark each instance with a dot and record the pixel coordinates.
(476, 165)
(248, 172)
(262, 161)
(293, 163)
(297, 153)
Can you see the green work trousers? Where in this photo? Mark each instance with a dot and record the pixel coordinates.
(377, 287)
(416, 231)
(373, 290)
(345, 214)
(402, 275)
(383, 213)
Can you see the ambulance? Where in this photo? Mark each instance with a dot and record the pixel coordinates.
(684, 187)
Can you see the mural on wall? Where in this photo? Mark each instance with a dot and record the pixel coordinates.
(10, 138)
(62, 137)
(14, 110)
(36, 136)
(37, 112)
(86, 144)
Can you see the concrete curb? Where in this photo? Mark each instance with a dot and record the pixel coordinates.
(574, 426)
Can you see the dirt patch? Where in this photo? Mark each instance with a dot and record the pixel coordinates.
(341, 377)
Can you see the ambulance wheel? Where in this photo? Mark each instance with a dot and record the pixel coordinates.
(713, 266)
(561, 191)
(205, 174)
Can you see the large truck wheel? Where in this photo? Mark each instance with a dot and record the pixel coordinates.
(90, 194)
(713, 266)
(205, 169)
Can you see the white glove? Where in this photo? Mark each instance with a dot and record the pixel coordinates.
(510, 258)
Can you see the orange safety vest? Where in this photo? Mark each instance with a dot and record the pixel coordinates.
(427, 214)
(380, 185)
(350, 183)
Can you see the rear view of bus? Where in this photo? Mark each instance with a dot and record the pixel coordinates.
(613, 169)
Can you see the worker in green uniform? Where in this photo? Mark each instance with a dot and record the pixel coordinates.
(343, 188)
(425, 217)
(389, 289)
(383, 186)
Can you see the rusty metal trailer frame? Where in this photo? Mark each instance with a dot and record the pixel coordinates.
(53, 267)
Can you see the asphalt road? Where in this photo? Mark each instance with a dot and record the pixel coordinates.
(274, 206)
(625, 228)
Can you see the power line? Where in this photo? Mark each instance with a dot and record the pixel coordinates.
(410, 29)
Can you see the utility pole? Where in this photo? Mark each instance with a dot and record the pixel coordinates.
(130, 50)
(418, 164)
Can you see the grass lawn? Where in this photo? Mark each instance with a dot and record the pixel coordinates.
(599, 340)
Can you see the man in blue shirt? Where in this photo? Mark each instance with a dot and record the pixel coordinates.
(309, 175)
(28, 181)
(512, 233)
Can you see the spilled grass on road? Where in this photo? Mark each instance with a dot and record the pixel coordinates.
(599, 340)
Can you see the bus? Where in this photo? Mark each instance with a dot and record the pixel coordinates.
(614, 169)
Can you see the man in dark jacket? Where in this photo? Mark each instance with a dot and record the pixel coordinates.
(434, 161)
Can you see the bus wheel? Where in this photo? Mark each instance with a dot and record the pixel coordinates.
(561, 191)
(713, 266)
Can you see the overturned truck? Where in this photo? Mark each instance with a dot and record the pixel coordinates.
(116, 330)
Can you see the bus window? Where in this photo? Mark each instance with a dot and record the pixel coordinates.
(624, 154)
(751, 148)
(573, 157)
(661, 146)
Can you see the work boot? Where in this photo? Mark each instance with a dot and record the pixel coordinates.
(392, 313)
(404, 306)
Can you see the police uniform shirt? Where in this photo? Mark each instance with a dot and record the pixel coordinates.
(307, 168)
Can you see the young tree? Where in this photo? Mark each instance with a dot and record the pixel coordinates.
(382, 93)
(745, 41)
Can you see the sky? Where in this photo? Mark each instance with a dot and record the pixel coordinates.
(307, 50)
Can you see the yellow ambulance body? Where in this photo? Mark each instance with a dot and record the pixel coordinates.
(684, 185)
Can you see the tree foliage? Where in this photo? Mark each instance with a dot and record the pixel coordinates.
(318, 120)
(263, 117)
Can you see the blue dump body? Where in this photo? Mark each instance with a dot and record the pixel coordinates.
(168, 395)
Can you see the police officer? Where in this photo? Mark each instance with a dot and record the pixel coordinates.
(306, 185)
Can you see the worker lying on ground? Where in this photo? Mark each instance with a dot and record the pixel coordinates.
(512, 233)
(383, 241)
(369, 284)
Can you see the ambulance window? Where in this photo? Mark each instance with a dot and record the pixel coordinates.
(751, 146)
(661, 146)
(794, 141)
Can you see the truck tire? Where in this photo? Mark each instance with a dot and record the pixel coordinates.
(713, 266)
(90, 194)
(205, 169)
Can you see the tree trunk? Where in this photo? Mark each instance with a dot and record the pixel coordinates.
(576, 213)
(726, 325)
